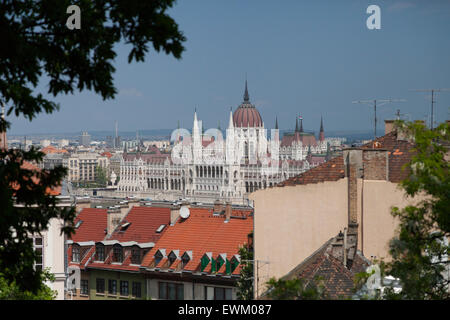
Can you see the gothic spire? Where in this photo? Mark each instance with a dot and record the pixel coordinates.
(321, 124)
(276, 123)
(296, 124)
(301, 124)
(246, 96)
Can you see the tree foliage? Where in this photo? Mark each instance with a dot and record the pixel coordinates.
(39, 50)
(101, 176)
(11, 291)
(420, 249)
(245, 283)
(296, 289)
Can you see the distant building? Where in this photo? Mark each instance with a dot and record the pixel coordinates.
(204, 167)
(85, 139)
(83, 166)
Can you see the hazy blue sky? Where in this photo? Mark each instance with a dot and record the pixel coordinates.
(301, 57)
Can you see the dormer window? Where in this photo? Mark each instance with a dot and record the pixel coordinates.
(75, 253)
(204, 262)
(117, 253)
(172, 257)
(219, 263)
(158, 257)
(185, 260)
(99, 252)
(234, 264)
(135, 255)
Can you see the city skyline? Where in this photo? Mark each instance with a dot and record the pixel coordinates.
(298, 58)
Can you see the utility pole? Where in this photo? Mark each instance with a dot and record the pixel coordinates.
(380, 102)
(432, 101)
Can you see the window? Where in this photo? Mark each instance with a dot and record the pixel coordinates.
(185, 260)
(136, 289)
(117, 253)
(124, 288)
(135, 255)
(100, 252)
(112, 286)
(76, 253)
(217, 293)
(39, 249)
(100, 285)
(158, 257)
(84, 287)
(171, 291)
(172, 257)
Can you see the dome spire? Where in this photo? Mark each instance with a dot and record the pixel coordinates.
(246, 96)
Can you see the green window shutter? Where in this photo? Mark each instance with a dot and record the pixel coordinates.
(227, 267)
(234, 265)
(204, 262)
(213, 265)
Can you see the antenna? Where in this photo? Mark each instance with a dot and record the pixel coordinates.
(380, 103)
(432, 101)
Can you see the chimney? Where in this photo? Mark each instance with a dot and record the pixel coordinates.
(353, 164)
(354, 167)
(114, 216)
(174, 214)
(228, 211)
(388, 126)
(376, 164)
(218, 206)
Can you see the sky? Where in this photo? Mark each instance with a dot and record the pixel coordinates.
(310, 58)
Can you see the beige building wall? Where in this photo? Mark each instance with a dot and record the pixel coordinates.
(293, 222)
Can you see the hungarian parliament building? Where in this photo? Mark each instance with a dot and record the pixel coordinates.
(204, 167)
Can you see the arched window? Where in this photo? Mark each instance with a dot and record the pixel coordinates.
(99, 252)
(135, 255)
(75, 253)
(117, 253)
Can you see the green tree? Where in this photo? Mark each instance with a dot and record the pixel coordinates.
(245, 283)
(10, 290)
(101, 177)
(420, 248)
(38, 49)
(295, 289)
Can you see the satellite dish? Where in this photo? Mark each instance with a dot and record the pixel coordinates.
(184, 212)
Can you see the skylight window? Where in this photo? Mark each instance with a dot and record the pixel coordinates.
(125, 226)
(78, 224)
(160, 228)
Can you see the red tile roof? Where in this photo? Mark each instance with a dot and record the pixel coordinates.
(93, 226)
(29, 166)
(144, 221)
(331, 170)
(201, 233)
(400, 153)
(51, 149)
